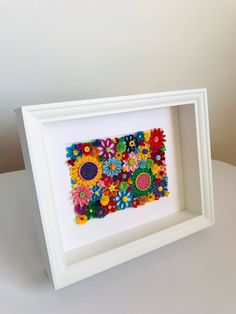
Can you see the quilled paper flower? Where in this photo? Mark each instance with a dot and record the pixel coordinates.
(112, 167)
(139, 136)
(107, 148)
(124, 199)
(147, 135)
(111, 207)
(131, 163)
(135, 203)
(159, 157)
(112, 188)
(87, 170)
(80, 210)
(101, 212)
(121, 146)
(86, 149)
(97, 192)
(159, 189)
(81, 195)
(123, 186)
(105, 199)
(144, 151)
(151, 197)
(130, 142)
(73, 152)
(81, 219)
(123, 176)
(113, 174)
(142, 181)
(118, 155)
(157, 138)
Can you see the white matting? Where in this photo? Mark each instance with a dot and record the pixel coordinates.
(59, 135)
(194, 275)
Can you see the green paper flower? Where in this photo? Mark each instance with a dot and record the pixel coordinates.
(101, 158)
(142, 181)
(150, 163)
(121, 146)
(123, 186)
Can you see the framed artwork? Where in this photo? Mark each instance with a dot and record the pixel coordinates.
(115, 178)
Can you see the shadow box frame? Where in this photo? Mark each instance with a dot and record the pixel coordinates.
(198, 211)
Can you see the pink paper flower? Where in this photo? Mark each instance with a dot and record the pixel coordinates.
(82, 195)
(107, 148)
(132, 162)
(100, 184)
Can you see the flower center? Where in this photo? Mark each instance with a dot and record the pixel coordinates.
(156, 139)
(143, 181)
(87, 149)
(158, 157)
(160, 188)
(108, 149)
(75, 152)
(82, 194)
(131, 162)
(125, 199)
(112, 188)
(131, 143)
(145, 151)
(112, 167)
(88, 170)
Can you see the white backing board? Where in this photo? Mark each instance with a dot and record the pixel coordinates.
(59, 135)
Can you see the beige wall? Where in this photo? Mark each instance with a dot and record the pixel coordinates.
(57, 50)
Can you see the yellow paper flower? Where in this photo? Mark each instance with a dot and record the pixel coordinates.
(144, 151)
(81, 219)
(118, 155)
(155, 169)
(147, 135)
(150, 197)
(104, 200)
(87, 170)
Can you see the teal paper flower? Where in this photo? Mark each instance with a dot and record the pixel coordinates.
(73, 152)
(112, 167)
(124, 199)
(97, 193)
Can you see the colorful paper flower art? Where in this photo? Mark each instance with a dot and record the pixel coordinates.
(113, 174)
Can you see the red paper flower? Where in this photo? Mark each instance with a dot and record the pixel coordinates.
(86, 148)
(159, 157)
(71, 162)
(111, 207)
(106, 179)
(125, 156)
(157, 138)
(123, 176)
(135, 203)
(112, 188)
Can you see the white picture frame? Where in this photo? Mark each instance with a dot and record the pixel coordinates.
(197, 213)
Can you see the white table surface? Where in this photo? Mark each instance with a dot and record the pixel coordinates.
(195, 275)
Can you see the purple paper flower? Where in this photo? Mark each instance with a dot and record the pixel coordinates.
(107, 148)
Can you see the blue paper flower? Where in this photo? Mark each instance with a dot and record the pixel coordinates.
(101, 212)
(112, 167)
(97, 193)
(143, 164)
(131, 143)
(124, 199)
(139, 136)
(159, 189)
(73, 152)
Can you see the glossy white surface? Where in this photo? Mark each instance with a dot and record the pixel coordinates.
(194, 275)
